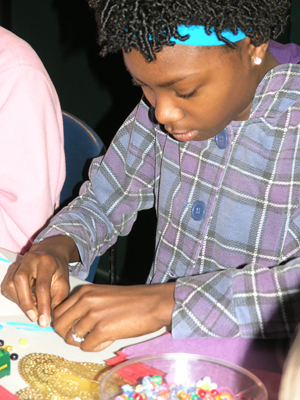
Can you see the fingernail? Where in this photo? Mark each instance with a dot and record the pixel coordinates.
(31, 315)
(43, 321)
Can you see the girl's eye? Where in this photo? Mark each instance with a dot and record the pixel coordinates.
(182, 96)
(135, 83)
(186, 96)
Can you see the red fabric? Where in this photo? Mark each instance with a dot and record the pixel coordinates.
(120, 357)
(6, 395)
(132, 372)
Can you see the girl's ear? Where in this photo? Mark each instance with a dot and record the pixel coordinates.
(257, 53)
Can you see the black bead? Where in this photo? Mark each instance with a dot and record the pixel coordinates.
(1, 342)
(14, 356)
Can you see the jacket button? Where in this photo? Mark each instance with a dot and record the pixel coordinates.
(221, 139)
(198, 210)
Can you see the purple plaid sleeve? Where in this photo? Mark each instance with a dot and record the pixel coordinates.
(255, 301)
(236, 269)
(120, 185)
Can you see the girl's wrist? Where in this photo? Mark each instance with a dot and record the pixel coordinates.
(59, 246)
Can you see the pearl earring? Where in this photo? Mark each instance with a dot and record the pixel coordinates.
(257, 60)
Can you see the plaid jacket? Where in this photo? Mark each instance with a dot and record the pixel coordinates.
(237, 270)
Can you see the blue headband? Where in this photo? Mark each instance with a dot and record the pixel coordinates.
(198, 36)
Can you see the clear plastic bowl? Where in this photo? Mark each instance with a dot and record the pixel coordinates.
(185, 369)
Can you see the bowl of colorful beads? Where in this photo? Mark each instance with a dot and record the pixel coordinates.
(180, 376)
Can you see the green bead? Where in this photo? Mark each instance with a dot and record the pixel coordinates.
(4, 363)
(157, 379)
(195, 396)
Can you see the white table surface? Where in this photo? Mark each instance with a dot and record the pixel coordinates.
(45, 342)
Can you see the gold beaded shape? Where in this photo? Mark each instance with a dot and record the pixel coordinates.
(52, 377)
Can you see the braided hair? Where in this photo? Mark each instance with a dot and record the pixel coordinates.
(148, 25)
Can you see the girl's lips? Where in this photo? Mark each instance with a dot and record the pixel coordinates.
(185, 137)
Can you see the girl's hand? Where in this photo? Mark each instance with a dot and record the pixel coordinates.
(41, 280)
(103, 313)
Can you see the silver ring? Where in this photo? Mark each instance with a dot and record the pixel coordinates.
(77, 338)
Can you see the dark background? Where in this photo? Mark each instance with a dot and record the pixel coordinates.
(98, 91)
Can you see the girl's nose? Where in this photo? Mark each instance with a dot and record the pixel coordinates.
(166, 111)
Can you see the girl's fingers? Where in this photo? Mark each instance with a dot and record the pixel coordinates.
(85, 333)
(43, 297)
(80, 334)
(64, 323)
(7, 285)
(66, 305)
(16, 287)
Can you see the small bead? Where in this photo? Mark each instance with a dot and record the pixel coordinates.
(128, 390)
(137, 396)
(201, 393)
(14, 356)
(146, 380)
(151, 395)
(226, 396)
(165, 394)
(23, 342)
(159, 388)
(139, 388)
(185, 396)
(148, 387)
(157, 379)
(1, 342)
(160, 397)
(8, 348)
(164, 386)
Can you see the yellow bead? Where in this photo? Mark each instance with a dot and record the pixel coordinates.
(8, 348)
(23, 342)
(139, 388)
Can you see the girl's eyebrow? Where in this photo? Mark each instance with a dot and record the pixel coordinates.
(164, 84)
(176, 80)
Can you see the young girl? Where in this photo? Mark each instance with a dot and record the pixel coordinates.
(214, 146)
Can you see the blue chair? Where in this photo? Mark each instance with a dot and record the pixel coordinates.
(82, 144)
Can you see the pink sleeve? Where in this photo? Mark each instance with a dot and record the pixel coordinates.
(32, 164)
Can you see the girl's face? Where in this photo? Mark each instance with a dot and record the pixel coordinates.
(198, 91)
